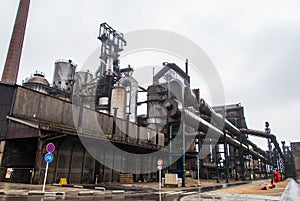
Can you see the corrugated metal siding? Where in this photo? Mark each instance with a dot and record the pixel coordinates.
(71, 161)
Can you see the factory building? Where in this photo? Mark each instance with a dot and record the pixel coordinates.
(92, 120)
(37, 113)
(295, 154)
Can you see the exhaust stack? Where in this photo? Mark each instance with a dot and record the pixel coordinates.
(11, 68)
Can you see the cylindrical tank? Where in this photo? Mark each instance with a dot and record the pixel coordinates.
(82, 78)
(37, 82)
(118, 101)
(156, 114)
(132, 87)
(63, 78)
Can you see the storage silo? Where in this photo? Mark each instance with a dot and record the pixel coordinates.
(37, 82)
(82, 79)
(63, 78)
(131, 86)
(118, 101)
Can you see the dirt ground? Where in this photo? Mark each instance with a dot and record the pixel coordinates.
(253, 189)
(189, 182)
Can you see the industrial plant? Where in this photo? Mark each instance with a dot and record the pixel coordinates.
(85, 114)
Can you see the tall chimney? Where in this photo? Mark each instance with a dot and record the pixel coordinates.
(11, 68)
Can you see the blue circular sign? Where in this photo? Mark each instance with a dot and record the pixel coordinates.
(49, 157)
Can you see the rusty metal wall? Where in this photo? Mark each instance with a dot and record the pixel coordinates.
(7, 93)
(16, 130)
(30, 104)
(71, 160)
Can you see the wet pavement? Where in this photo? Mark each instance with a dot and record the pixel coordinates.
(226, 197)
(16, 192)
(292, 192)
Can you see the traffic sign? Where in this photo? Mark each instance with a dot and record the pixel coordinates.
(49, 158)
(50, 147)
(160, 162)
(159, 167)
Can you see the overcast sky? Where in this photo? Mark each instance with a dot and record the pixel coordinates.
(255, 45)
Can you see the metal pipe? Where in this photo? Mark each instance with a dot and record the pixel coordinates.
(207, 110)
(174, 109)
(187, 67)
(257, 133)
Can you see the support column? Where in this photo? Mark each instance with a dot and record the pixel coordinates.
(235, 164)
(38, 163)
(226, 157)
(183, 153)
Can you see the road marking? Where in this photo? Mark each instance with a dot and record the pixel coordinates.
(189, 193)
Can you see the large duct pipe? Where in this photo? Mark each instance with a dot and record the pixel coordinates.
(174, 109)
(259, 150)
(11, 68)
(207, 110)
(257, 133)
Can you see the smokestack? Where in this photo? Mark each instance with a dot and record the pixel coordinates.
(11, 68)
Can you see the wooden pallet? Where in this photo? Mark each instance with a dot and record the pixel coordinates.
(126, 178)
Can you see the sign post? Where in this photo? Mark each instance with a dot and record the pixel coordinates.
(159, 167)
(48, 159)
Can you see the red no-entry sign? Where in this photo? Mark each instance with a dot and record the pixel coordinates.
(50, 147)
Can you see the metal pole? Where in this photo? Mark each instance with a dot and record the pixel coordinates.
(79, 123)
(217, 165)
(183, 151)
(198, 169)
(170, 147)
(198, 158)
(114, 122)
(159, 178)
(235, 164)
(32, 174)
(127, 128)
(226, 157)
(45, 178)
